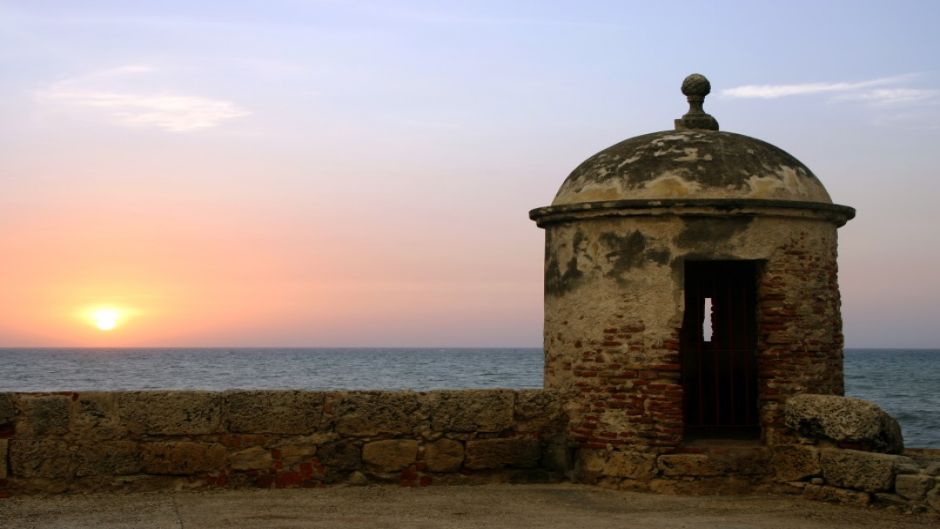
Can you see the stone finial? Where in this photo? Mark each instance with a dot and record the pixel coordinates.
(695, 87)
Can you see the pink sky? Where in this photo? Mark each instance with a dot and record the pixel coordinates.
(355, 174)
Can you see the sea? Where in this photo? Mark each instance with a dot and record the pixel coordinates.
(904, 382)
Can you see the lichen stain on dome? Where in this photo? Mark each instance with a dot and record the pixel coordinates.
(786, 182)
(672, 186)
(691, 164)
(692, 155)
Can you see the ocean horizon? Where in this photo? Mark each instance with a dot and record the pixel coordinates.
(904, 382)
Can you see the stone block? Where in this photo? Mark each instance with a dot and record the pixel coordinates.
(444, 455)
(3, 458)
(341, 456)
(933, 468)
(7, 409)
(867, 471)
(598, 464)
(108, 458)
(297, 450)
(795, 462)
(390, 455)
(183, 458)
(789, 487)
(277, 412)
(590, 464)
(471, 410)
(540, 411)
(886, 499)
(43, 415)
(170, 412)
(742, 461)
(697, 465)
(499, 453)
(254, 458)
(933, 498)
(557, 455)
(913, 486)
(41, 458)
(709, 486)
(844, 421)
(357, 479)
(907, 468)
(836, 495)
(95, 415)
(747, 461)
(630, 465)
(366, 414)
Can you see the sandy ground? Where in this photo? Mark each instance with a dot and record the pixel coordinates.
(516, 506)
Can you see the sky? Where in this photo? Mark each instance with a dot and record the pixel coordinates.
(325, 173)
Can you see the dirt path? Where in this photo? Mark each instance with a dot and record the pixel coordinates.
(515, 506)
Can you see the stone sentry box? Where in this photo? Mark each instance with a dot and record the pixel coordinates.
(690, 289)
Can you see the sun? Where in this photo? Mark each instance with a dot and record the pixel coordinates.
(106, 318)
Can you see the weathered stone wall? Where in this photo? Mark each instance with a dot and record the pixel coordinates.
(614, 307)
(128, 441)
(799, 324)
(63, 442)
(817, 465)
(906, 483)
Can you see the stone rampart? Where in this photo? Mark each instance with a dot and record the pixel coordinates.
(833, 449)
(151, 440)
(158, 440)
(905, 483)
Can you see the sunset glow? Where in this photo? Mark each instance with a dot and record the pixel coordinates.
(359, 174)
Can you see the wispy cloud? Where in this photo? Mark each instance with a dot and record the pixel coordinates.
(111, 93)
(881, 91)
(888, 96)
(168, 112)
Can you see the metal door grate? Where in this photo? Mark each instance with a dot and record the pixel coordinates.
(719, 376)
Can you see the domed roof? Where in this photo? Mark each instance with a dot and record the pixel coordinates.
(691, 164)
(695, 161)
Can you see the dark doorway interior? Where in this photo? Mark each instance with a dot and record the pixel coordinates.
(717, 346)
